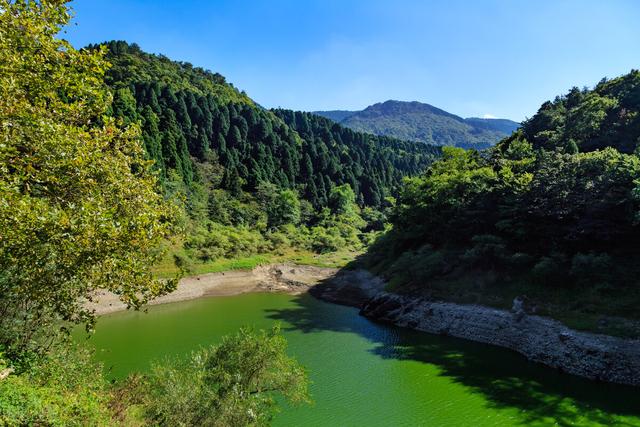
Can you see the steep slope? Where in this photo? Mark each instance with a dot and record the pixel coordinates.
(587, 120)
(194, 124)
(132, 66)
(552, 212)
(416, 121)
(379, 162)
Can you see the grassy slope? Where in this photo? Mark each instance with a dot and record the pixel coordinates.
(167, 268)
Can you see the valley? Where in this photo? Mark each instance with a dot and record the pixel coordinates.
(174, 250)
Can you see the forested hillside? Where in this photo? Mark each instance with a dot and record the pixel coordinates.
(254, 181)
(551, 212)
(606, 116)
(371, 165)
(190, 115)
(416, 121)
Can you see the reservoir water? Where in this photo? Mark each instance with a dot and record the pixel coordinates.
(368, 374)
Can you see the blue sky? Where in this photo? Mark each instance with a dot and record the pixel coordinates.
(499, 58)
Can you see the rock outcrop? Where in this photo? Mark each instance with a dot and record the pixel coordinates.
(349, 287)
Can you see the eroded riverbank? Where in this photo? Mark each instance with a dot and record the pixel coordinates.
(284, 278)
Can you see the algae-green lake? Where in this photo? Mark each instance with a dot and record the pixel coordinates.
(368, 374)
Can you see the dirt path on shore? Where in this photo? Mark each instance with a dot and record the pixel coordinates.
(285, 278)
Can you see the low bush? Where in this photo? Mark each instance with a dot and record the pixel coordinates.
(232, 384)
(63, 388)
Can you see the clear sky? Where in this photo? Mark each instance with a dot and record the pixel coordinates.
(499, 58)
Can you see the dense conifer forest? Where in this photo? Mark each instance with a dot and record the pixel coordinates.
(190, 115)
(253, 181)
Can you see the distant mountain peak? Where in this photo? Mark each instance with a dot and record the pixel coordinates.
(418, 121)
(410, 107)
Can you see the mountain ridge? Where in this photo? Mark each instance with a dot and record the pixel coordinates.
(418, 121)
(200, 130)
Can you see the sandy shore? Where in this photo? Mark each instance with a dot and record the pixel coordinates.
(285, 278)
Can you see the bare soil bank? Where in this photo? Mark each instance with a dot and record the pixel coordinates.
(286, 278)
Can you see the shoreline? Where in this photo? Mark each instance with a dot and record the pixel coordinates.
(539, 339)
(282, 278)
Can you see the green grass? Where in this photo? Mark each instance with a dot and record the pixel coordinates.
(245, 263)
(166, 268)
(338, 259)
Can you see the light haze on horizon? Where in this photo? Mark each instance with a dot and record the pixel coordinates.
(494, 58)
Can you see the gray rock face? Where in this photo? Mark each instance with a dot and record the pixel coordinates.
(540, 339)
(349, 287)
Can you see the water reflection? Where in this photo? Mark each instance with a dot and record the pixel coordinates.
(505, 379)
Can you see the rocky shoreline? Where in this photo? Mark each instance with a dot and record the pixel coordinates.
(539, 339)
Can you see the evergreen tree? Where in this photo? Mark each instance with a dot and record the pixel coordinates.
(187, 112)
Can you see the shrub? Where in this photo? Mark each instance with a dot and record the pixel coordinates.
(63, 388)
(325, 240)
(231, 384)
(299, 236)
(277, 239)
(590, 267)
(547, 269)
(419, 266)
(221, 241)
(487, 251)
(183, 262)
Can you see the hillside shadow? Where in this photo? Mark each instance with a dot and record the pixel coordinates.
(505, 379)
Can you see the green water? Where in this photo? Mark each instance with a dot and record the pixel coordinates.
(367, 374)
